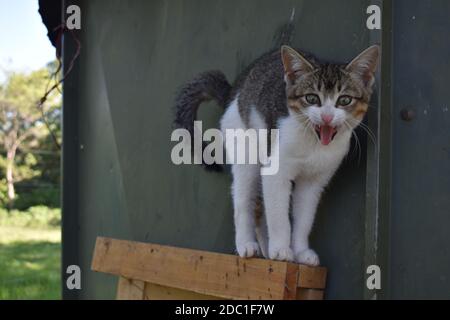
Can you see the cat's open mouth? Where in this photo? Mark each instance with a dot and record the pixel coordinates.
(325, 133)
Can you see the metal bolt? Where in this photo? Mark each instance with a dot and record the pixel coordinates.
(407, 114)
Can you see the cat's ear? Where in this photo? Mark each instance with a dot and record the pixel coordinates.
(365, 64)
(294, 63)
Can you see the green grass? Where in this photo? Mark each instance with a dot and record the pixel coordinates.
(29, 261)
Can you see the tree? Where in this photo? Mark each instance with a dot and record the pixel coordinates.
(21, 123)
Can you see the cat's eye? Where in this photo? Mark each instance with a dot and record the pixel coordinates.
(344, 100)
(312, 99)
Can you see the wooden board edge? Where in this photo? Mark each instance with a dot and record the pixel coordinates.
(130, 289)
(309, 294)
(312, 277)
(100, 244)
(295, 275)
(157, 292)
(290, 290)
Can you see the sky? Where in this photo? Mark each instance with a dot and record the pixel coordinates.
(24, 45)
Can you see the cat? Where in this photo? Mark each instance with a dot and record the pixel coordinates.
(315, 106)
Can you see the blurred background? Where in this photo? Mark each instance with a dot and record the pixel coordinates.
(30, 215)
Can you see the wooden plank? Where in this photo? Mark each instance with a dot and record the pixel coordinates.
(312, 277)
(221, 275)
(291, 280)
(130, 289)
(157, 292)
(207, 273)
(309, 294)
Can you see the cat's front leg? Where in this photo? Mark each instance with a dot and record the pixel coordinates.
(276, 193)
(306, 196)
(244, 189)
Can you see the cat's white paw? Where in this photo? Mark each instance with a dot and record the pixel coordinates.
(308, 257)
(282, 254)
(248, 249)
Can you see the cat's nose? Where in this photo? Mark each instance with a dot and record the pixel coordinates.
(327, 118)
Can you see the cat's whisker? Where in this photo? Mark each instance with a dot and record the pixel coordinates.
(310, 126)
(354, 147)
(306, 123)
(367, 130)
(357, 145)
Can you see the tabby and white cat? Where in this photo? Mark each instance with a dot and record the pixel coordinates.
(316, 106)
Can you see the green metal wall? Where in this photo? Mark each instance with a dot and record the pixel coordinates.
(420, 217)
(118, 177)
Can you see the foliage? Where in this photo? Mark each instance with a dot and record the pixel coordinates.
(20, 117)
(30, 161)
(45, 196)
(3, 193)
(30, 236)
(35, 217)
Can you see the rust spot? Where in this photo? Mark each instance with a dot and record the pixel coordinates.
(245, 267)
(201, 258)
(270, 269)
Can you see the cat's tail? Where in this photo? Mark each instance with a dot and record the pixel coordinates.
(210, 85)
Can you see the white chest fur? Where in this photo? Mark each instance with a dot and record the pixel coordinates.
(302, 154)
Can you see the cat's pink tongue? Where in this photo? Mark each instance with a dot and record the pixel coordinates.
(326, 134)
